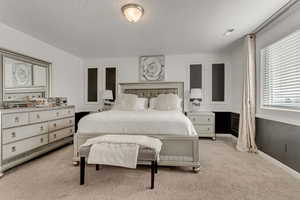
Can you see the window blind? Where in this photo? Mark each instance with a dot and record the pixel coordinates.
(281, 72)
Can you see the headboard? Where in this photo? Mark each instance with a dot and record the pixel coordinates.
(153, 89)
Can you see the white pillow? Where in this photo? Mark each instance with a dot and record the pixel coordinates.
(126, 102)
(152, 103)
(168, 102)
(141, 104)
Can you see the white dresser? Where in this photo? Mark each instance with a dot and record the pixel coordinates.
(204, 123)
(29, 132)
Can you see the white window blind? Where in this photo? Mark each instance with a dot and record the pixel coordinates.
(281, 73)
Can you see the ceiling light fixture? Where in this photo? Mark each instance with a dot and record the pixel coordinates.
(132, 12)
(229, 32)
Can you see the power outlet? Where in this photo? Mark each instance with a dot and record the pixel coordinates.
(285, 147)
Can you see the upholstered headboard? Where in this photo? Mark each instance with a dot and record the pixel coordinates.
(153, 89)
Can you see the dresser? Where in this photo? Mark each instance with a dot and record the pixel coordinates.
(30, 132)
(204, 123)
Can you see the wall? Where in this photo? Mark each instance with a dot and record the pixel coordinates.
(67, 71)
(176, 70)
(237, 74)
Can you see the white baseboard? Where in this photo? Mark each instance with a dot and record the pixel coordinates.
(286, 168)
(289, 170)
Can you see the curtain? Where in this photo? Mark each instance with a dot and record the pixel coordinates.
(246, 139)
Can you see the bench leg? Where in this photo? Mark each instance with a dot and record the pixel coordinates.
(97, 167)
(152, 174)
(82, 170)
(156, 167)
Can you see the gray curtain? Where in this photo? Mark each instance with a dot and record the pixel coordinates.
(246, 139)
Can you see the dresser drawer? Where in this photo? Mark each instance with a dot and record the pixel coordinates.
(13, 134)
(14, 149)
(61, 113)
(201, 119)
(15, 119)
(40, 116)
(202, 129)
(57, 135)
(61, 123)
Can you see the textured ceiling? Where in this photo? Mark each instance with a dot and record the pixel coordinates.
(97, 28)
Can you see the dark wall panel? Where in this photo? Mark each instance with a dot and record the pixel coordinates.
(92, 84)
(218, 82)
(110, 74)
(196, 76)
(222, 122)
(279, 140)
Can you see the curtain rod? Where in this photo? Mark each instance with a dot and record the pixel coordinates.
(277, 14)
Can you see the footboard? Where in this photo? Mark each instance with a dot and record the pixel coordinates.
(176, 150)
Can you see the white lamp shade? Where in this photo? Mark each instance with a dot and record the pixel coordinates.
(196, 93)
(107, 95)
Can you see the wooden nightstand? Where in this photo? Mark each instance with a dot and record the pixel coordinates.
(204, 123)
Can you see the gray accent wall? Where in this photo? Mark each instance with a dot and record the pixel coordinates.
(279, 140)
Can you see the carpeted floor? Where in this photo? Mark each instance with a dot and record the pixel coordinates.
(225, 174)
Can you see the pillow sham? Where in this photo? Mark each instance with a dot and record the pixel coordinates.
(141, 104)
(167, 102)
(126, 102)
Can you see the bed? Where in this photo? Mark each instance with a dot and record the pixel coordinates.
(180, 140)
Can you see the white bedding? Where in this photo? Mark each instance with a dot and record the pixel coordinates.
(137, 122)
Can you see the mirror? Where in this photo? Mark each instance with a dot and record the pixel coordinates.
(23, 77)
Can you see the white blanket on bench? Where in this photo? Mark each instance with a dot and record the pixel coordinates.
(119, 150)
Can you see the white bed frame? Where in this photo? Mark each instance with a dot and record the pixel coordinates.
(180, 151)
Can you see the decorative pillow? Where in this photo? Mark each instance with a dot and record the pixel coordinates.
(141, 104)
(126, 102)
(168, 102)
(152, 103)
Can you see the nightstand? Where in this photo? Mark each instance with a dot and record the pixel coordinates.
(204, 123)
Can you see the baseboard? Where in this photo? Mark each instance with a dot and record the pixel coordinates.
(223, 135)
(286, 168)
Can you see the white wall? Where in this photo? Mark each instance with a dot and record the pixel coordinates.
(67, 70)
(237, 73)
(285, 24)
(176, 70)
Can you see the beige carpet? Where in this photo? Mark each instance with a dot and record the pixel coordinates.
(225, 174)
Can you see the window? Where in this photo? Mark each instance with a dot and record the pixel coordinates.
(218, 82)
(281, 73)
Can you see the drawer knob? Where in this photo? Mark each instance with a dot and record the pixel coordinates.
(71, 130)
(37, 116)
(57, 114)
(54, 124)
(69, 111)
(16, 119)
(13, 149)
(42, 140)
(208, 119)
(54, 135)
(41, 128)
(208, 129)
(70, 121)
(13, 134)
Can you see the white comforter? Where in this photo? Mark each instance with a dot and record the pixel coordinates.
(137, 122)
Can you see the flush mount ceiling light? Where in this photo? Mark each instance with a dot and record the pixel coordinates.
(229, 32)
(132, 12)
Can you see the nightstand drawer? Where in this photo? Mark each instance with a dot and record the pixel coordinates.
(201, 119)
(204, 129)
